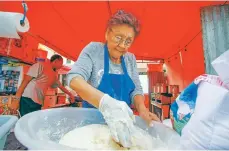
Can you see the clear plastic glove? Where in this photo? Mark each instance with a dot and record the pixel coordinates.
(119, 118)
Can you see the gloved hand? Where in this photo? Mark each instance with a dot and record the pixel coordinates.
(119, 118)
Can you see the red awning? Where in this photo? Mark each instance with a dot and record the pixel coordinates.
(67, 27)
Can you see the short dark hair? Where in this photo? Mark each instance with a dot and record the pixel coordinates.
(55, 57)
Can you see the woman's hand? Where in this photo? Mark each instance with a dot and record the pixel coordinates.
(144, 113)
(72, 98)
(119, 118)
(148, 117)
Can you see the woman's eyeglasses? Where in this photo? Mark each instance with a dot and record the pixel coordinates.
(118, 40)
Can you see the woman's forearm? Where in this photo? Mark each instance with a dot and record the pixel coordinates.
(139, 103)
(86, 91)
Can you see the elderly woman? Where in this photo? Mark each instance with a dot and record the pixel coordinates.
(105, 76)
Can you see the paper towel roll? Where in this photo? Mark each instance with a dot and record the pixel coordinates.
(10, 25)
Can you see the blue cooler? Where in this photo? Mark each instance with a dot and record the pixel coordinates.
(7, 122)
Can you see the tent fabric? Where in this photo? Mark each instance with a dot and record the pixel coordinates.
(67, 27)
(183, 72)
(155, 67)
(166, 29)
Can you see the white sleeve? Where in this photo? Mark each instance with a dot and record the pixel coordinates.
(35, 70)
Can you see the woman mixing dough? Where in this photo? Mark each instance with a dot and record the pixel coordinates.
(105, 76)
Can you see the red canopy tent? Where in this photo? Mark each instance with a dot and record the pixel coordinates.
(68, 26)
(166, 28)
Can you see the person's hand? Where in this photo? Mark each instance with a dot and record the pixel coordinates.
(119, 118)
(148, 117)
(14, 103)
(72, 98)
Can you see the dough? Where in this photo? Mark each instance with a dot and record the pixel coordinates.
(97, 136)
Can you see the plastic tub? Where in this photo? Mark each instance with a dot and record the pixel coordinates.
(6, 123)
(43, 129)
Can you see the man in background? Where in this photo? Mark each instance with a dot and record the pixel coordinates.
(31, 93)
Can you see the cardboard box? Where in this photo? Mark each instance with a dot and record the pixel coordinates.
(174, 89)
(166, 111)
(61, 99)
(5, 102)
(163, 99)
(162, 111)
(50, 101)
(51, 91)
(161, 88)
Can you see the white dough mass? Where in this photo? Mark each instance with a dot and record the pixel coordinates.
(97, 136)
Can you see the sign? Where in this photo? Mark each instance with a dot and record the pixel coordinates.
(41, 55)
(4, 43)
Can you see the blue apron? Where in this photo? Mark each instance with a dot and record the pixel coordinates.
(118, 86)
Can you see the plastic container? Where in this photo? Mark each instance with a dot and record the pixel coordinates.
(43, 129)
(6, 123)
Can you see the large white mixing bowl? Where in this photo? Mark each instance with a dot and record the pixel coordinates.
(43, 129)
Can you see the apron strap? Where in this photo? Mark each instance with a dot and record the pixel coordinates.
(123, 65)
(106, 60)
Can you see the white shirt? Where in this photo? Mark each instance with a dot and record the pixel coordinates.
(43, 78)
